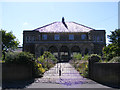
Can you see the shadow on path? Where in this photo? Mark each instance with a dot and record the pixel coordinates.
(16, 84)
(109, 85)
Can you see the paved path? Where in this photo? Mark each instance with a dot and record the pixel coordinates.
(70, 78)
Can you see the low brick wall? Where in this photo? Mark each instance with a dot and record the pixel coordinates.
(108, 73)
(16, 72)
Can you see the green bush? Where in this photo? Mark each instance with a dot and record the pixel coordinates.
(47, 60)
(25, 58)
(38, 70)
(86, 57)
(110, 51)
(19, 58)
(83, 69)
(11, 57)
(115, 60)
(94, 55)
(77, 56)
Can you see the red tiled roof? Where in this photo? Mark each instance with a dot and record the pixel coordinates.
(61, 27)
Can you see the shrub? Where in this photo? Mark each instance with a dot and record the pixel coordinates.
(25, 58)
(110, 56)
(115, 59)
(19, 58)
(11, 57)
(95, 58)
(83, 69)
(94, 55)
(38, 70)
(77, 56)
(47, 60)
(86, 57)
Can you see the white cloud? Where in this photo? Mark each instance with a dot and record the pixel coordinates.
(25, 23)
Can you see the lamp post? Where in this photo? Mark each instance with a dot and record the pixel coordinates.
(60, 70)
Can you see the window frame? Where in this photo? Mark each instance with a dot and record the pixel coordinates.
(56, 37)
(44, 37)
(39, 37)
(71, 36)
(83, 37)
(98, 38)
(27, 38)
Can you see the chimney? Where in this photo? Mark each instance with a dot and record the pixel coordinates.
(63, 21)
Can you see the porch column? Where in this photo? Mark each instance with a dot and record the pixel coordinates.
(69, 54)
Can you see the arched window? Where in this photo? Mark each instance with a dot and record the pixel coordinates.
(75, 49)
(64, 53)
(53, 49)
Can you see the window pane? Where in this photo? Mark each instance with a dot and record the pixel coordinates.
(71, 37)
(44, 37)
(97, 38)
(101, 38)
(27, 38)
(56, 37)
(39, 37)
(83, 36)
(33, 38)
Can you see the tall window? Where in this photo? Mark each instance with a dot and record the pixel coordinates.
(98, 38)
(83, 36)
(44, 37)
(30, 38)
(27, 38)
(94, 38)
(71, 37)
(39, 37)
(56, 37)
(33, 38)
(101, 39)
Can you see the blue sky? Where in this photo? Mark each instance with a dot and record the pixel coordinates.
(19, 16)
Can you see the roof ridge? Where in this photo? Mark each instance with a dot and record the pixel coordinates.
(83, 25)
(45, 26)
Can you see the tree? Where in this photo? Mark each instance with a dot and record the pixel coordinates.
(113, 49)
(114, 37)
(9, 42)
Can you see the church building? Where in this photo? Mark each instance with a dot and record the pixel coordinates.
(64, 39)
